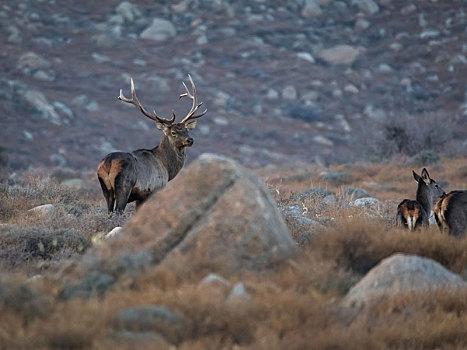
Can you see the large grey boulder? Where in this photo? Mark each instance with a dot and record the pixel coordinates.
(215, 210)
(401, 273)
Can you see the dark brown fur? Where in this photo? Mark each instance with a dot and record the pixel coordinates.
(451, 213)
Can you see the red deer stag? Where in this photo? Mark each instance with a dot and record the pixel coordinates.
(451, 213)
(132, 176)
(413, 214)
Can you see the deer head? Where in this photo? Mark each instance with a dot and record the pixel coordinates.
(176, 133)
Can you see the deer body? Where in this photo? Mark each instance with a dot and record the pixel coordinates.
(132, 176)
(451, 213)
(413, 214)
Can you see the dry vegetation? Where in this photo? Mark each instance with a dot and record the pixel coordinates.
(295, 306)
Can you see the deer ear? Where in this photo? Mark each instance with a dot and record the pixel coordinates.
(416, 176)
(191, 125)
(426, 176)
(161, 126)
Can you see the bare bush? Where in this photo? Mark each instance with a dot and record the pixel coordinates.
(411, 134)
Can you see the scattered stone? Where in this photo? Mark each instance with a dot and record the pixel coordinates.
(362, 24)
(214, 279)
(115, 232)
(366, 202)
(384, 68)
(85, 102)
(306, 56)
(30, 62)
(238, 293)
(38, 104)
(289, 93)
(44, 210)
(100, 58)
(340, 55)
(159, 30)
(351, 88)
(368, 6)
(356, 193)
(311, 9)
(401, 273)
(128, 11)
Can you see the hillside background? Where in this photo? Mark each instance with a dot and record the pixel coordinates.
(285, 82)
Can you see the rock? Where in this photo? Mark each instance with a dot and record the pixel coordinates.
(238, 293)
(44, 210)
(340, 55)
(214, 209)
(213, 279)
(95, 283)
(335, 178)
(127, 10)
(401, 273)
(146, 318)
(30, 62)
(37, 103)
(289, 93)
(368, 6)
(366, 202)
(85, 102)
(311, 9)
(159, 30)
(356, 193)
(115, 232)
(306, 56)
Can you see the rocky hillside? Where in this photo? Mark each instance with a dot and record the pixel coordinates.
(284, 81)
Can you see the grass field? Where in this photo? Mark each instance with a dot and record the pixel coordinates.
(294, 306)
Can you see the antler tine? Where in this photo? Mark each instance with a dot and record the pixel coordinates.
(134, 101)
(195, 105)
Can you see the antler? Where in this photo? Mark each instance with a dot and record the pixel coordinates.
(134, 101)
(195, 104)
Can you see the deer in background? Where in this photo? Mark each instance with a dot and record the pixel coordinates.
(413, 214)
(132, 176)
(451, 213)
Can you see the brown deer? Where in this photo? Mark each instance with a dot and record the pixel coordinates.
(413, 214)
(132, 176)
(451, 213)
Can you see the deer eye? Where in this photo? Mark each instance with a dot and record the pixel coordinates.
(174, 133)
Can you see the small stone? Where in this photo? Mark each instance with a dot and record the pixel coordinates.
(238, 293)
(289, 93)
(45, 209)
(340, 55)
(114, 233)
(351, 88)
(366, 202)
(306, 56)
(368, 6)
(159, 30)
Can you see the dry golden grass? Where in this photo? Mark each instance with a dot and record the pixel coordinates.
(293, 306)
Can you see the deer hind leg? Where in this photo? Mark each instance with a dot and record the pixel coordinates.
(109, 196)
(123, 187)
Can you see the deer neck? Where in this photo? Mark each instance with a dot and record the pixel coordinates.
(424, 197)
(172, 157)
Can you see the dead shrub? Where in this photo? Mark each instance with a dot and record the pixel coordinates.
(360, 244)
